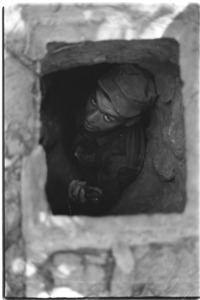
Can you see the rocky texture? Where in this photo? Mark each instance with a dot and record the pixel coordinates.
(15, 268)
(185, 29)
(67, 232)
(160, 270)
(20, 137)
(40, 24)
(28, 30)
(111, 256)
(61, 56)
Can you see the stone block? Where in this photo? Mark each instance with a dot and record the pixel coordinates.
(69, 270)
(94, 280)
(12, 185)
(70, 261)
(99, 259)
(123, 257)
(15, 29)
(14, 146)
(51, 23)
(67, 258)
(16, 287)
(187, 252)
(14, 252)
(121, 283)
(14, 270)
(167, 270)
(13, 216)
(156, 269)
(35, 286)
(52, 13)
(19, 82)
(186, 280)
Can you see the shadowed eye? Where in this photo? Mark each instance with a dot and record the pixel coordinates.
(94, 101)
(108, 118)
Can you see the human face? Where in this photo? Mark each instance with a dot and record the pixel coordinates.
(100, 115)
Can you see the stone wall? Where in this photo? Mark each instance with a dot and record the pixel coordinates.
(61, 256)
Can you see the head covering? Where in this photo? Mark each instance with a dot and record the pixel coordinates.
(130, 88)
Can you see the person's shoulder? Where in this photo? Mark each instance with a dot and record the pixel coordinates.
(132, 131)
(127, 139)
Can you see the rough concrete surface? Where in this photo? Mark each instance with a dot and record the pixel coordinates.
(164, 247)
(20, 138)
(185, 29)
(64, 57)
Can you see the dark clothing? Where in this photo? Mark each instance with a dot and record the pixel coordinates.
(110, 161)
(114, 158)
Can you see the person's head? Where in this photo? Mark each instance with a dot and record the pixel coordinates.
(100, 114)
(121, 95)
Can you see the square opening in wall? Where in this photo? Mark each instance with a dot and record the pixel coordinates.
(113, 128)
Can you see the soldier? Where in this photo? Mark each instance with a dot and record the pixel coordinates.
(108, 147)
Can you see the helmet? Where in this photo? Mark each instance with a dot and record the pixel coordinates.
(130, 88)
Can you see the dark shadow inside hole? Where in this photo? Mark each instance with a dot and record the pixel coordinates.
(65, 94)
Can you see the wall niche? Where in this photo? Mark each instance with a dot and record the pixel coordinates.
(70, 73)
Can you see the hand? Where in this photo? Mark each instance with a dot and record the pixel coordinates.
(76, 190)
(93, 193)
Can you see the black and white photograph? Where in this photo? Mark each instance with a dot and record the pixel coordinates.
(100, 150)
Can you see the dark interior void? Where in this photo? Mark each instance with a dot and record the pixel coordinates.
(64, 95)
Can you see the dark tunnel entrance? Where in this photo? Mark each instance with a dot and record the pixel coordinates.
(159, 187)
